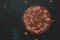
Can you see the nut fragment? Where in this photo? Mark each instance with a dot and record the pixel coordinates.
(36, 31)
(26, 33)
(35, 39)
(38, 8)
(45, 11)
(47, 19)
(28, 28)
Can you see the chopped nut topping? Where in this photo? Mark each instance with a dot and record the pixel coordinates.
(47, 19)
(36, 31)
(45, 11)
(28, 28)
(36, 19)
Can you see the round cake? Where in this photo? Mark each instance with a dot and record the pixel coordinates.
(36, 19)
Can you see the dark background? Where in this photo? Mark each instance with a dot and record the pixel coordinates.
(11, 24)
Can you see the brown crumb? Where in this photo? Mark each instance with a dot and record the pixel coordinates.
(25, 33)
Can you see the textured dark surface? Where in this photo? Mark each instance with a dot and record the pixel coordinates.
(11, 12)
